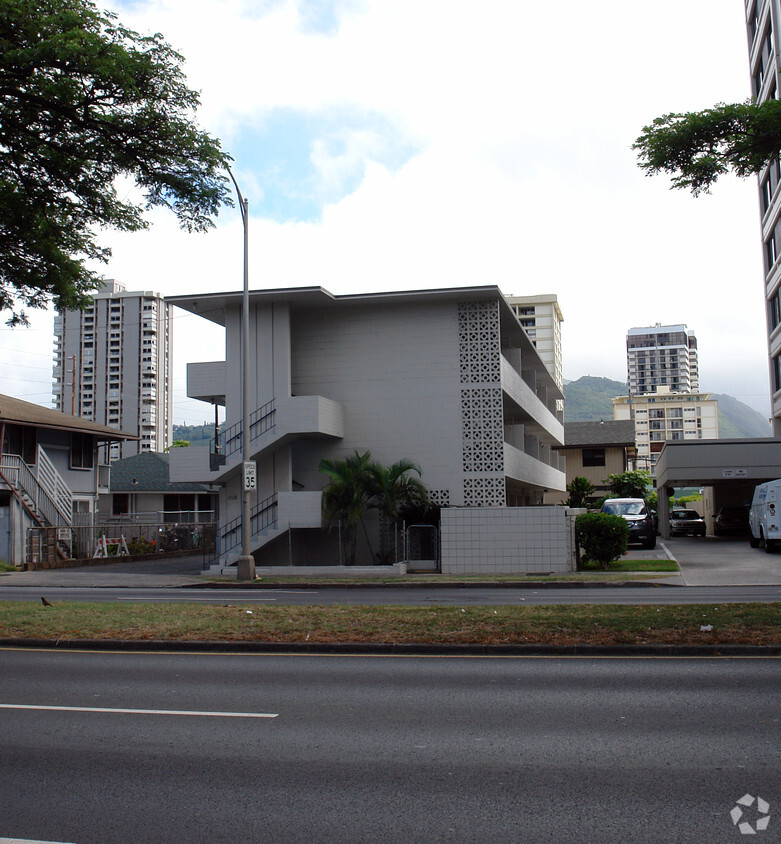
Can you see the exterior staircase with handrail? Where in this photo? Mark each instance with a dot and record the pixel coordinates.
(44, 494)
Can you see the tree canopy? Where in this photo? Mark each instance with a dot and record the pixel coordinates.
(83, 101)
(580, 490)
(634, 484)
(698, 147)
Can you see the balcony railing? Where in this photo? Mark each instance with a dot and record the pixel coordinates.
(230, 439)
(262, 517)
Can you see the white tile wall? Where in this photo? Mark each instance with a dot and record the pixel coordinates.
(507, 540)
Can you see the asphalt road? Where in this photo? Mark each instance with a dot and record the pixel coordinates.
(406, 596)
(385, 749)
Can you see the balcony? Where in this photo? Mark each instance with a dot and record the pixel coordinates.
(523, 395)
(206, 381)
(276, 423)
(530, 470)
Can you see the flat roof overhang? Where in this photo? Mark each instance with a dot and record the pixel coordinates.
(212, 306)
(718, 462)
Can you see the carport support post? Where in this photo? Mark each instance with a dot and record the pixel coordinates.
(663, 511)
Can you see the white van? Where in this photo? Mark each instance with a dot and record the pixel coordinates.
(764, 517)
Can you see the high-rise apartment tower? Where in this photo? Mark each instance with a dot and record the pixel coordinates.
(541, 318)
(112, 364)
(763, 21)
(661, 356)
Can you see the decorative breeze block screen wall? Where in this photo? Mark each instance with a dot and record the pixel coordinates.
(481, 403)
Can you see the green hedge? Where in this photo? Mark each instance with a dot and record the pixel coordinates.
(602, 536)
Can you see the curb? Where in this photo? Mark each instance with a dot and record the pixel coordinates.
(531, 584)
(384, 649)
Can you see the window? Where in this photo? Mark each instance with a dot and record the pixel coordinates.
(82, 451)
(767, 194)
(593, 456)
(770, 252)
(774, 309)
(120, 505)
(20, 440)
(776, 373)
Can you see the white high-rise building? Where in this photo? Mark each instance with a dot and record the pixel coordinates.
(763, 22)
(112, 365)
(664, 416)
(661, 356)
(541, 318)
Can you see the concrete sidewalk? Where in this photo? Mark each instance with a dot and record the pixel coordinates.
(160, 574)
(708, 561)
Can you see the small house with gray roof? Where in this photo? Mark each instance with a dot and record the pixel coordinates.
(594, 450)
(141, 490)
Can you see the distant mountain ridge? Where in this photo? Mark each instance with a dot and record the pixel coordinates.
(194, 434)
(589, 399)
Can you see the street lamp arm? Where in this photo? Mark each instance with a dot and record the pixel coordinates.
(242, 202)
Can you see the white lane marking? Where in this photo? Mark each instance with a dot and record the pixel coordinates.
(186, 599)
(139, 711)
(27, 841)
(244, 591)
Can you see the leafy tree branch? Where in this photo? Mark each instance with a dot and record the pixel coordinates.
(83, 101)
(697, 147)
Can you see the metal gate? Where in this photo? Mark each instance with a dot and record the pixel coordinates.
(422, 548)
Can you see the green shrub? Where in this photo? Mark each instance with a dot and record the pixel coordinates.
(139, 545)
(602, 536)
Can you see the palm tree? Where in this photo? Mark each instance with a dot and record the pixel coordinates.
(580, 490)
(357, 484)
(393, 491)
(346, 496)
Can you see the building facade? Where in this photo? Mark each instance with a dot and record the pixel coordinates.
(51, 476)
(541, 318)
(594, 450)
(762, 22)
(112, 366)
(445, 378)
(666, 416)
(661, 356)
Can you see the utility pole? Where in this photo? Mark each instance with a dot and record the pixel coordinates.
(245, 569)
(73, 385)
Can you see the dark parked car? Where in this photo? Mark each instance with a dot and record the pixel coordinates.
(686, 522)
(641, 523)
(731, 520)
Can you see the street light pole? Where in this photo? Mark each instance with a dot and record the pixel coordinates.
(245, 569)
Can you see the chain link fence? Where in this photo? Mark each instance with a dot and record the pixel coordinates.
(55, 547)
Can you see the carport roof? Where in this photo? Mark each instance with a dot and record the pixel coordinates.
(717, 462)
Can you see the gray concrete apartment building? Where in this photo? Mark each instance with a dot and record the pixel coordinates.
(112, 366)
(446, 378)
(763, 19)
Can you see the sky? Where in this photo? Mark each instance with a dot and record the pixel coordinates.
(443, 143)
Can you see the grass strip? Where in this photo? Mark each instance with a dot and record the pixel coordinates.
(649, 569)
(633, 565)
(756, 623)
